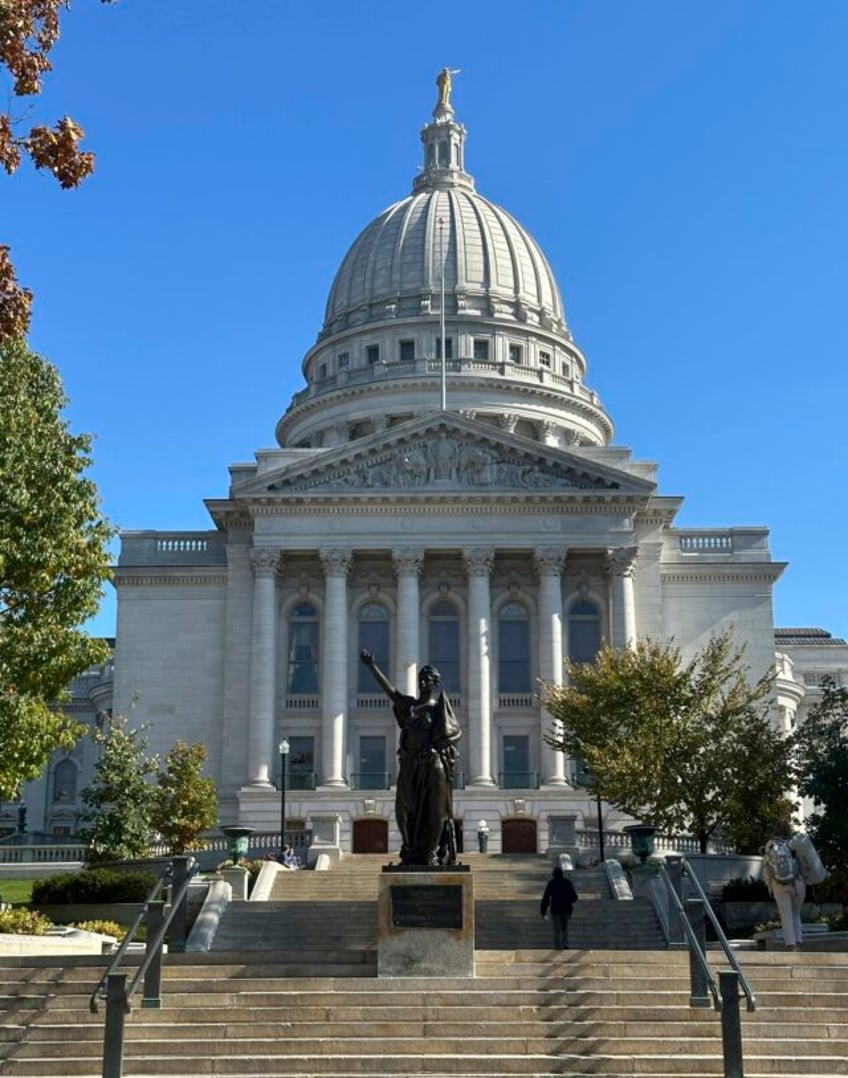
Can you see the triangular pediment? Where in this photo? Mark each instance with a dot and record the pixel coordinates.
(444, 454)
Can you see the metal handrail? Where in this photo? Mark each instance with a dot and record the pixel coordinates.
(751, 1003)
(694, 947)
(153, 946)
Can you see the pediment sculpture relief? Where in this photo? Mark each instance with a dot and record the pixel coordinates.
(445, 462)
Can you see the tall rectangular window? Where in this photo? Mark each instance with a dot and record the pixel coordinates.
(373, 637)
(407, 351)
(344, 360)
(372, 764)
(515, 353)
(303, 650)
(301, 774)
(516, 762)
(448, 348)
(443, 643)
(481, 348)
(372, 353)
(545, 359)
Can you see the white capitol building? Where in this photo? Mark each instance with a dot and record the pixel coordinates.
(446, 490)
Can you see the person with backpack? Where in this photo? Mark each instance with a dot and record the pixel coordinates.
(560, 896)
(785, 881)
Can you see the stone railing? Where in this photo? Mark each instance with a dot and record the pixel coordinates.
(706, 543)
(172, 548)
(516, 701)
(620, 840)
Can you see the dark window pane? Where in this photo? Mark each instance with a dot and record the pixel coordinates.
(443, 641)
(373, 637)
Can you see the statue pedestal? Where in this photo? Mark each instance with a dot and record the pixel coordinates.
(425, 924)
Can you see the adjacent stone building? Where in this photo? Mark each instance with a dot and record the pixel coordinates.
(446, 489)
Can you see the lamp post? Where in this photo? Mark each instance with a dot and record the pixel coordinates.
(284, 759)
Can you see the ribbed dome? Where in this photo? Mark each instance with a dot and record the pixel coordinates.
(496, 348)
(491, 264)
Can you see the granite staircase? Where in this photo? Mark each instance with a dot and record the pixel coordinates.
(333, 915)
(528, 1013)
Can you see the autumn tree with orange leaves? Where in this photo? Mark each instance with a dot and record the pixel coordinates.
(28, 31)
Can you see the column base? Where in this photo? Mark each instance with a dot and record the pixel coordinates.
(259, 784)
(482, 780)
(332, 784)
(558, 781)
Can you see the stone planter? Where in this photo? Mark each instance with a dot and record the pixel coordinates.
(641, 840)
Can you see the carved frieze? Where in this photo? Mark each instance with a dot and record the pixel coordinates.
(445, 461)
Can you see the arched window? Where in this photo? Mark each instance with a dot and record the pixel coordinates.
(443, 643)
(584, 632)
(373, 637)
(303, 650)
(513, 648)
(65, 783)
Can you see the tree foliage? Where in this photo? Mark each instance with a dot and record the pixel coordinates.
(53, 562)
(119, 799)
(687, 746)
(28, 31)
(186, 803)
(822, 774)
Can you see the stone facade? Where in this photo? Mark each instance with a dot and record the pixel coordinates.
(445, 490)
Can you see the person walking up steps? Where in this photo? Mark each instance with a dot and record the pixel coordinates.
(560, 897)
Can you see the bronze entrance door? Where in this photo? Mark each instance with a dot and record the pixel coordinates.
(518, 836)
(370, 836)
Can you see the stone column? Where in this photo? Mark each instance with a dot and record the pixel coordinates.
(260, 722)
(407, 564)
(478, 564)
(620, 563)
(334, 665)
(549, 565)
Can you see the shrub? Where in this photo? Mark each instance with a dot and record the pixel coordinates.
(745, 890)
(105, 928)
(838, 922)
(21, 922)
(93, 885)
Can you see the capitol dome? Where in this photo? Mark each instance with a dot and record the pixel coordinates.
(444, 262)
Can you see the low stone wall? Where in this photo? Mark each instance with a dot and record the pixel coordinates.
(72, 942)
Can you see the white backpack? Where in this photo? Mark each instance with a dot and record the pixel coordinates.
(780, 861)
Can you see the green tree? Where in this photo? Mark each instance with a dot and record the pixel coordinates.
(53, 562)
(119, 799)
(185, 803)
(822, 774)
(685, 745)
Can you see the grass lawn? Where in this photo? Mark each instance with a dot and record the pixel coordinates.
(15, 891)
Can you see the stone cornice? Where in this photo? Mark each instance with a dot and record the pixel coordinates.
(721, 572)
(414, 385)
(157, 576)
(441, 505)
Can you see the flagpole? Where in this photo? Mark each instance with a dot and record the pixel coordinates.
(442, 314)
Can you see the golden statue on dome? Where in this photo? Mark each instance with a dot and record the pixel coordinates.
(444, 82)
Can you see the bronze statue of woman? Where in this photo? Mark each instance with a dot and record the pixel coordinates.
(427, 755)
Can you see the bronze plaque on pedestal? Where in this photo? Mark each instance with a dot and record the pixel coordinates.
(430, 906)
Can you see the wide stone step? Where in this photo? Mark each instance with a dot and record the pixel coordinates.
(269, 1066)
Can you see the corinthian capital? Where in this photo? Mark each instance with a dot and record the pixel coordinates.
(265, 563)
(549, 561)
(336, 560)
(621, 560)
(479, 560)
(407, 561)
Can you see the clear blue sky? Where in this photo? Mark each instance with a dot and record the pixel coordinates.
(683, 166)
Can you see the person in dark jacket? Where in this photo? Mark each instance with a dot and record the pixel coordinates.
(560, 896)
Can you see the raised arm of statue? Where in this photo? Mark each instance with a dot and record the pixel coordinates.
(378, 674)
